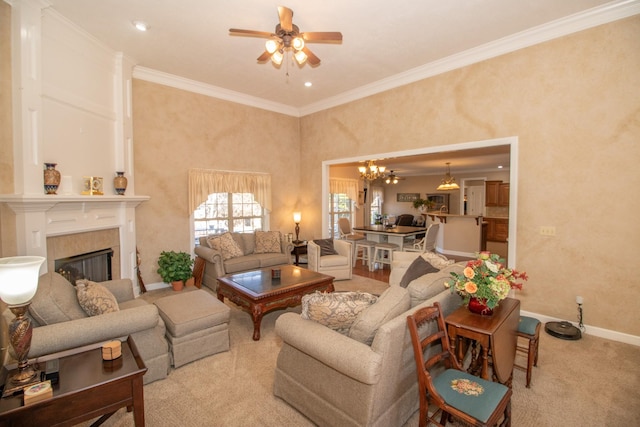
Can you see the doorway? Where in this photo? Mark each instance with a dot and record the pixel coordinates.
(511, 142)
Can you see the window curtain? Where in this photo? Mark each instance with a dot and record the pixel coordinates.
(377, 192)
(203, 182)
(344, 186)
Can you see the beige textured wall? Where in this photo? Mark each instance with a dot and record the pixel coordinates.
(574, 103)
(174, 131)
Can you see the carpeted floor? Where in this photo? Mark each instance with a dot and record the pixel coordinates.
(590, 382)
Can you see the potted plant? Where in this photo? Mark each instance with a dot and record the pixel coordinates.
(422, 205)
(175, 268)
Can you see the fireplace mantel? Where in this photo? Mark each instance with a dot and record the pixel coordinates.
(21, 203)
(40, 216)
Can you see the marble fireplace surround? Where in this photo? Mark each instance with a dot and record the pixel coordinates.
(59, 226)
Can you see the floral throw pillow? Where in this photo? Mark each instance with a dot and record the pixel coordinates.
(95, 299)
(267, 242)
(437, 260)
(336, 310)
(226, 245)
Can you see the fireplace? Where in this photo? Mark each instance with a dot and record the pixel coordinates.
(64, 226)
(94, 266)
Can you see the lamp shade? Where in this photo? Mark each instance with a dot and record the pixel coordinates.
(297, 217)
(19, 278)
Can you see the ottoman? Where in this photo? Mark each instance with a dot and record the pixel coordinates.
(197, 325)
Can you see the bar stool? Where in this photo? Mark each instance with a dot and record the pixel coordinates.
(383, 254)
(367, 251)
(529, 328)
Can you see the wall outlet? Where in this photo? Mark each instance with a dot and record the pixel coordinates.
(548, 230)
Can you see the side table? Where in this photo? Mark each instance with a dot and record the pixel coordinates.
(88, 388)
(497, 332)
(299, 249)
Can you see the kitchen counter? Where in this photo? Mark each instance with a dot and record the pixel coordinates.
(444, 216)
(459, 234)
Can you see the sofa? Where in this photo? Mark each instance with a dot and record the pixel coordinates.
(337, 264)
(341, 379)
(60, 323)
(237, 252)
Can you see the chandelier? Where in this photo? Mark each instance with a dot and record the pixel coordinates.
(448, 182)
(371, 172)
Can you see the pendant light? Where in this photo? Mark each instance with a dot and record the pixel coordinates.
(448, 182)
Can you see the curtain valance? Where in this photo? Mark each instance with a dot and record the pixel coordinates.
(344, 186)
(203, 182)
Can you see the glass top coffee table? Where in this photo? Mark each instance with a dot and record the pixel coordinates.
(257, 292)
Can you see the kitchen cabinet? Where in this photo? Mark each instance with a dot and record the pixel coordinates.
(496, 193)
(491, 193)
(497, 229)
(503, 194)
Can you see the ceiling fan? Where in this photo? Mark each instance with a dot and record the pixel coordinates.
(287, 37)
(392, 178)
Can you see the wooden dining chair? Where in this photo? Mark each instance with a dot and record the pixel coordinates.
(453, 391)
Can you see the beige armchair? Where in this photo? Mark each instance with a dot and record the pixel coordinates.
(338, 265)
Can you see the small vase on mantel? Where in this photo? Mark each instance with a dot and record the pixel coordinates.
(120, 183)
(51, 178)
(479, 306)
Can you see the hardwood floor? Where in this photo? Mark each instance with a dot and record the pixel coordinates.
(381, 274)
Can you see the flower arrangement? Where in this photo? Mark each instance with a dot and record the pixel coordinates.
(487, 279)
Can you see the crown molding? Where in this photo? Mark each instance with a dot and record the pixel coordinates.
(581, 21)
(600, 15)
(178, 82)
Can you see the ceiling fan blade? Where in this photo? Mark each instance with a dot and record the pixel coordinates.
(322, 36)
(286, 18)
(312, 59)
(249, 33)
(264, 57)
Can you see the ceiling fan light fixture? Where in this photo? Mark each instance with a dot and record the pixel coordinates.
(272, 45)
(300, 57)
(277, 57)
(448, 182)
(298, 43)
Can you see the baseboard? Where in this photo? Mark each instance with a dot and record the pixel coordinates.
(590, 330)
(456, 253)
(156, 286)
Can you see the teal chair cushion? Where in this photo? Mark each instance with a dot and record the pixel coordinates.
(528, 325)
(469, 394)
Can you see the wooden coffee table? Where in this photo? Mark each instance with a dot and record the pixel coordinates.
(257, 293)
(88, 388)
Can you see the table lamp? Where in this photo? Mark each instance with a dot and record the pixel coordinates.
(18, 284)
(297, 216)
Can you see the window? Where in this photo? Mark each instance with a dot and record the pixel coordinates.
(340, 206)
(376, 210)
(223, 212)
(377, 199)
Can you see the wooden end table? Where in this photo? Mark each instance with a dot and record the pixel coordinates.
(497, 332)
(299, 249)
(88, 388)
(257, 293)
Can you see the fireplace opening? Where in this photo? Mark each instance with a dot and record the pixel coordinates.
(94, 266)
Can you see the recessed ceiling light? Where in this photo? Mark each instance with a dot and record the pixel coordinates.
(140, 25)
(500, 167)
(308, 84)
